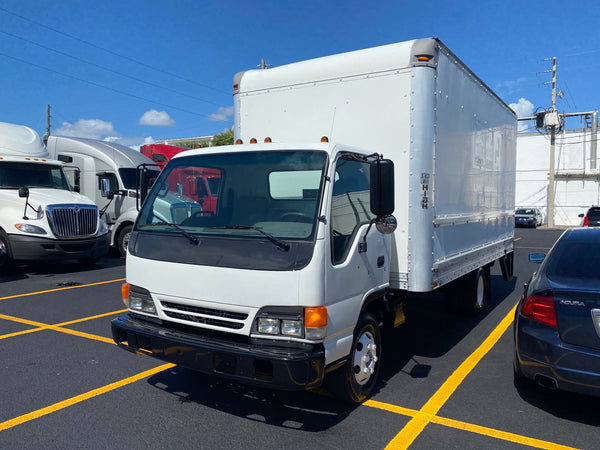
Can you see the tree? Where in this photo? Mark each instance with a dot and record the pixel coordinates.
(223, 138)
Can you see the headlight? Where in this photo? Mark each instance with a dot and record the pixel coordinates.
(28, 228)
(138, 299)
(103, 227)
(298, 322)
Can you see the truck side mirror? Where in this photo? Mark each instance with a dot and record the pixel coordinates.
(382, 187)
(105, 188)
(143, 178)
(23, 192)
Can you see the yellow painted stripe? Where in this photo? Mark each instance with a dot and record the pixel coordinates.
(510, 437)
(62, 289)
(485, 431)
(80, 398)
(59, 326)
(416, 425)
(517, 239)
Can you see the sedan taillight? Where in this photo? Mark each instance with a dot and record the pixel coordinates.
(540, 309)
(585, 221)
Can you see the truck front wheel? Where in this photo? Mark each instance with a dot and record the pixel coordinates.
(5, 257)
(354, 381)
(123, 239)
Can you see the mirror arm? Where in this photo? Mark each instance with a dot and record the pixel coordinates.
(362, 246)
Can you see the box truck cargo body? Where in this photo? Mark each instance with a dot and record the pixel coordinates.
(41, 217)
(302, 263)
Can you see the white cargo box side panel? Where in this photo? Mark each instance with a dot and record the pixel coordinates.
(475, 160)
(361, 99)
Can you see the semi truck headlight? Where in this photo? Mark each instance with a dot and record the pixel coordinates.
(28, 228)
(137, 299)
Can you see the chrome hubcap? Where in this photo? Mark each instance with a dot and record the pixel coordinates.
(365, 358)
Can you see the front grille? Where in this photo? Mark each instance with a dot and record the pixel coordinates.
(205, 320)
(207, 316)
(72, 221)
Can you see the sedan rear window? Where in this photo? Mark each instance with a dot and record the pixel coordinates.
(575, 258)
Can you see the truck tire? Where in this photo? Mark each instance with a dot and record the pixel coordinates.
(123, 239)
(476, 290)
(5, 254)
(355, 380)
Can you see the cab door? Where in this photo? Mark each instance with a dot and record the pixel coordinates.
(357, 265)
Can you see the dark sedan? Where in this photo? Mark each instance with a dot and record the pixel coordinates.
(528, 217)
(557, 322)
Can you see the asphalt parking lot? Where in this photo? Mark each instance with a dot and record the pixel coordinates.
(446, 380)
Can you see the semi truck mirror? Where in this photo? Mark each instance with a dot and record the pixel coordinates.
(23, 192)
(382, 187)
(105, 190)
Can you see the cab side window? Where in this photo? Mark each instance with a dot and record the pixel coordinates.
(351, 205)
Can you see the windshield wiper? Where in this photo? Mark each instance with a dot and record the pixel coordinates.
(193, 239)
(280, 242)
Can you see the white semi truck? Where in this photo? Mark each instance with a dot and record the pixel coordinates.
(290, 281)
(107, 173)
(41, 217)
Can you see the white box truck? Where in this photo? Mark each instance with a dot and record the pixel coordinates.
(41, 217)
(107, 173)
(291, 280)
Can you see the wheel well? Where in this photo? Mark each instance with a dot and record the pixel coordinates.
(376, 305)
(121, 226)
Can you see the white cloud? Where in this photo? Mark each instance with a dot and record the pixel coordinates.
(156, 118)
(523, 108)
(222, 115)
(92, 129)
(132, 142)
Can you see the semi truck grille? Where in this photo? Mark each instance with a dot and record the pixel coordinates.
(72, 221)
(206, 316)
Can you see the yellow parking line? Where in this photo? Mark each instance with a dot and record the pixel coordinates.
(62, 289)
(416, 425)
(464, 426)
(79, 398)
(59, 326)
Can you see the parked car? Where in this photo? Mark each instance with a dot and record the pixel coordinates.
(557, 321)
(528, 217)
(591, 218)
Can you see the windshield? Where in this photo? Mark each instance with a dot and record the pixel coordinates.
(247, 194)
(525, 211)
(13, 175)
(129, 177)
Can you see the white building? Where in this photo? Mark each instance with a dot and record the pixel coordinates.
(577, 174)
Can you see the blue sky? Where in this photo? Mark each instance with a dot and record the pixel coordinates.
(139, 71)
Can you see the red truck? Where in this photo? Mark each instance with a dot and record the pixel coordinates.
(202, 186)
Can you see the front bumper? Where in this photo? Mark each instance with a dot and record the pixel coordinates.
(541, 353)
(33, 248)
(274, 367)
(525, 222)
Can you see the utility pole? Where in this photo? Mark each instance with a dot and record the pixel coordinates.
(552, 150)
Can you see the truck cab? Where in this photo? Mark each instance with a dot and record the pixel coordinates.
(106, 173)
(272, 262)
(41, 217)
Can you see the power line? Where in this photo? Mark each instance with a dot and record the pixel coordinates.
(91, 44)
(100, 85)
(107, 68)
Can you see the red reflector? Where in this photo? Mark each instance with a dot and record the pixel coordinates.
(541, 309)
